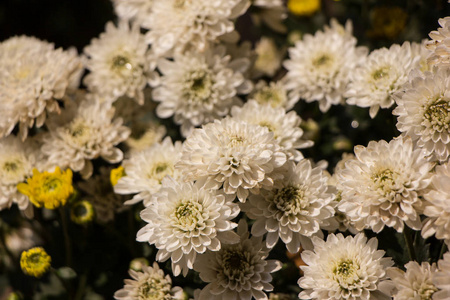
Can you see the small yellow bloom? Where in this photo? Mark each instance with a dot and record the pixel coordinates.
(35, 262)
(82, 212)
(46, 189)
(303, 7)
(116, 174)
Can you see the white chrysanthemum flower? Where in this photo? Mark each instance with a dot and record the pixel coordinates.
(183, 24)
(344, 268)
(17, 160)
(197, 88)
(185, 220)
(145, 170)
(239, 271)
(136, 10)
(437, 206)
(439, 45)
(269, 57)
(441, 279)
(285, 126)
(382, 184)
(424, 112)
(99, 192)
(294, 209)
(151, 283)
(84, 131)
(320, 66)
(233, 154)
(33, 76)
(384, 72)
(415, 283)
(117, 62)
(274, 93)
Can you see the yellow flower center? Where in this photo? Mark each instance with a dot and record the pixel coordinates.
(303, 7)
(35, 262)
(46, 189)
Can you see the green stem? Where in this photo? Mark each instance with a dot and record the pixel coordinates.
(66, 237)
(409, 243)
(443, 250)
(81, 286)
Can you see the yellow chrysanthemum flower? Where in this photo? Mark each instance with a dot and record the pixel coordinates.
(303, 7)
(35, 262)
(46, 189)
(116, 174)
(82, 212)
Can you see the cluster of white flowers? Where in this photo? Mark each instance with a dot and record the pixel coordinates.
(241, 160)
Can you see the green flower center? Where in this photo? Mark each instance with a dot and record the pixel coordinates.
(438, 115)
(290, 200)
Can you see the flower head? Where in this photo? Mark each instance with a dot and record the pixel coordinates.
(343, 268)
(414, 284)
(185, 220)
(34, 76)
(85, 130)
(177, 25)
(382, 184)
(320, 66)
(234, 154)
(49, 190)
(373, 83)
(145, 170)
(197, 88)
(35, 262)
(239, 271)
(437, 205)
(117, 61)
(150, 283)
(82, 212)
(424, 112)
(294, 209)
(441, 278)
(16, 164)
(439, 43)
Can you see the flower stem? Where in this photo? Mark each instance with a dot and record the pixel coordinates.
(443, 250)
(66, 237)
(409, 243)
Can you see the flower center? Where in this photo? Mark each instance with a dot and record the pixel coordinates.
(154, 289)
(10, 166)
(438, 115)
(120, 63)
(160, 170)
(290, 200)
(322, 61)
(198, 86)
(345, 273)
(381, 73)
(188, 215)
(52, 185)
(235, 264)
(426, 291)
(236, 141)
(79, 132)
(385, 181)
